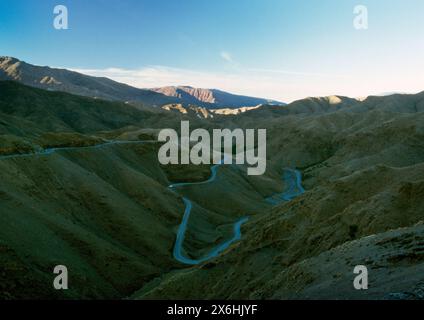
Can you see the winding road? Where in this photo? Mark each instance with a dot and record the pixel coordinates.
(178, 255)
(49, 151)
(292, 177)
(178, 247)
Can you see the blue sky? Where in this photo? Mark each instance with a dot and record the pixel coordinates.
(280, 49)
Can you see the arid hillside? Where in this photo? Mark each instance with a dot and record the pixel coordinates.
(363, 170)
(81, 185)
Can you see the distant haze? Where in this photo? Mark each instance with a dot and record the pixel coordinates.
(280, 86)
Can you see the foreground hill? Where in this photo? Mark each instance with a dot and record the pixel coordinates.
(363, 170)
(102, 209)
(107, 213)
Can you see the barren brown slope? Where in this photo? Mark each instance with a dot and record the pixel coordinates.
(104, 211)
(27, 114)
(364, 175)
(107, 213)
(211, 98)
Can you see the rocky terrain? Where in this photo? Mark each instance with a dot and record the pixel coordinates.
(105, 210)
(363, 168)
(212, 98)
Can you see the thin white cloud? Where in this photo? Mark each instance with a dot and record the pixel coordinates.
(295, 73)
(279, 85)
(160, 76)
(226, 56)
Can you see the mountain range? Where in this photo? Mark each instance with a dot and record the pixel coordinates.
(54, 79)
(81, 186)
(212, 98)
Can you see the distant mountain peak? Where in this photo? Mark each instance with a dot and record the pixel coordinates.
(52, 79)
(76, 83)
(211, 98)
(8, 59)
